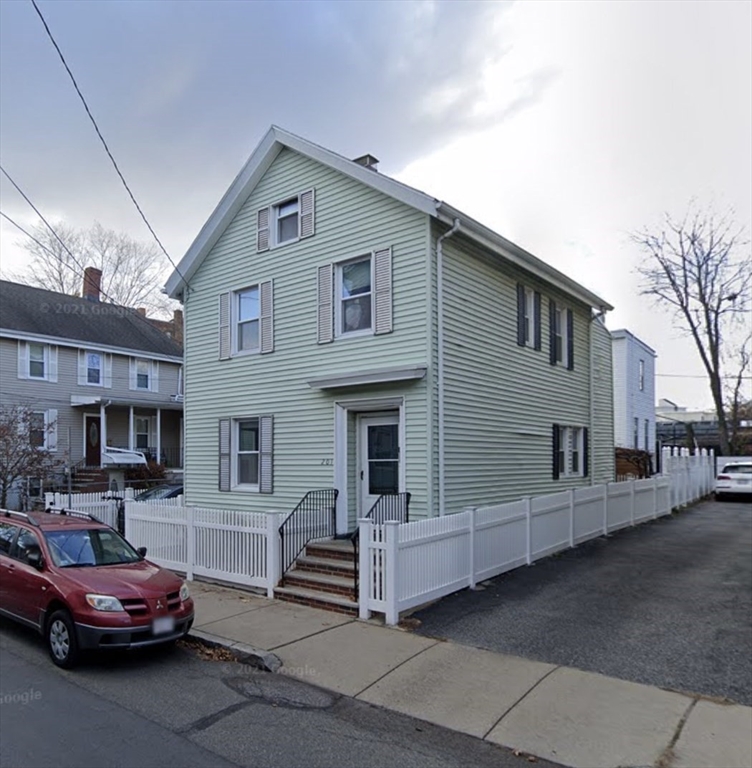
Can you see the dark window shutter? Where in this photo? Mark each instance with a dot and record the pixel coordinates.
(538, 341)
(521, 329)
(552, 331)
(570, 340)
(555, 444)
(266, 428)
(225, 456)
(585, 453)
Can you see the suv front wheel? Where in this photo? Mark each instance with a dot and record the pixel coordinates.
(61, 639)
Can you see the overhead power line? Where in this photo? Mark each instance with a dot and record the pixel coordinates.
(102, 139)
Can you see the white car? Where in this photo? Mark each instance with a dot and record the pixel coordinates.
(735, 478)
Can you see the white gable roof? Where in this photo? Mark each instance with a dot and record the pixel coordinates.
(277, 139)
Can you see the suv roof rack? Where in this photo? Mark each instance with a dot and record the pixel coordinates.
(73, 513)
(24, 515)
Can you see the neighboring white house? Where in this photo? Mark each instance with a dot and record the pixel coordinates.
(634, 391)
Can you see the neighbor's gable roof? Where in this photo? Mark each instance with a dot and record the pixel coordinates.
(277, 139)
(27, 313)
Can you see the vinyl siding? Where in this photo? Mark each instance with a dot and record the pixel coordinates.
(629, 401)
(43, 395)
(501, 400)
(602, 458)
(351, 220)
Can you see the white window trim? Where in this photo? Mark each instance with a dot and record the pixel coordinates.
(530, 328)
(569, 438)
(101, 356)
(561, 325)
(641, 375)
(45, 361)
(43, 414)
(153, 375)
(234, 453)
(338, 333)
(234, 320)
(136, 432)
(274, 242)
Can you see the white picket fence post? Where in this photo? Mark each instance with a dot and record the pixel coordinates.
(631, 502)
(472, 516)
(571, 517)
(529, 528)
(391, 591)
(365, 571)
(605, 509)
(190, 542)
(273, 560)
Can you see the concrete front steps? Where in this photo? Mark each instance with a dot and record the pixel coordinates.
(323, 577)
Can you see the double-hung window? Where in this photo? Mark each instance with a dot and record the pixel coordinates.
(247, 320)
(287, 221)
(570, 451)
(37, 361)
(561, 335)
(141, 426)
(245, 454)
(636, 433)
(37, 429)
(94, 368)
(641, 376)
(354, 308)
(144, 374)
(528, 317)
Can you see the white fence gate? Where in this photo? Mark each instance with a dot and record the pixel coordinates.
(403, 565)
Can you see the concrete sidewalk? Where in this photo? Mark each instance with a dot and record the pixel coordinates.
(561, 714)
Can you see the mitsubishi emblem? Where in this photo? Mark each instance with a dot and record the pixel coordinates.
(159, 605)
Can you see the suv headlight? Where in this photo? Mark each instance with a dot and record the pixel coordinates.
(185, 593)
(104, 603)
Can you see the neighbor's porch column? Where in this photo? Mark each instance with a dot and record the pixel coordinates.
(102, 430)
(159, 435)
(131, 425)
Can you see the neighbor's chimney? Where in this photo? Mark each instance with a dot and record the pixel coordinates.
(92, 283)
(367, 161)
(177, 326)
(141, 311)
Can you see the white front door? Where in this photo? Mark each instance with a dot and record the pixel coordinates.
(379, 458)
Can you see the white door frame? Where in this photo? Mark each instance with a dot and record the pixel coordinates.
(361, 452)
(342, 409)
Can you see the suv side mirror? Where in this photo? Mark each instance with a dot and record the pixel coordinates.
(141, 552)
(34, 559)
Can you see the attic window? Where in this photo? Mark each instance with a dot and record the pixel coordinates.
(286, 221)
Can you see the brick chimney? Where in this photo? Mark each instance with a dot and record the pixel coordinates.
(141, 311)
(177, 326)
(92, 283)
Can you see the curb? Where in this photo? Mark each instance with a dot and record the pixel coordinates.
(269, 662)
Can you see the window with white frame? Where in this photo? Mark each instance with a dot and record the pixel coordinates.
(141, 426)
(636, 433)
(247, 320)
(247, 452)
(647, 434)
(143, 374)
(38, 361)
(560, 335)
(641, 376)
(570, 451)
(354, 308)
(38, 429)
(528, 317)
(94, 368)
(285, 217)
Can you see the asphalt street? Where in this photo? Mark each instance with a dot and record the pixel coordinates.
(172, 708)
(668, 603)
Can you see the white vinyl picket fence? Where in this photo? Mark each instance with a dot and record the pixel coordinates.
(98, 504)
(239, 547)
(403, 565)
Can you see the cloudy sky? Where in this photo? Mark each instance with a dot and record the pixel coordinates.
(562, 125)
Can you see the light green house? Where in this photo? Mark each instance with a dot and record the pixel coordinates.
(346, 331)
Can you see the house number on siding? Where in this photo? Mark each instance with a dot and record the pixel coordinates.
(327, 462)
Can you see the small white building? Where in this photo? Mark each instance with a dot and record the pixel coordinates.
(634, 391)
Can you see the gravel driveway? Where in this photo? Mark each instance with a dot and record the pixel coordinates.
(668, 603)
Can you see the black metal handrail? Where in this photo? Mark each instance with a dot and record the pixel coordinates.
(389, 507)
(314, 518)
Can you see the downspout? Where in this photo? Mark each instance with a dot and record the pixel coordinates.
(440, 354)
(593, 319)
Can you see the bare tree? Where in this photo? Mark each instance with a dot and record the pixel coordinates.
(739, 400)
(699, 267)
(132, 271)
(22, 454)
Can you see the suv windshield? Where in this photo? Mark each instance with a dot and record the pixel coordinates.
(158, 492)
(89, 546)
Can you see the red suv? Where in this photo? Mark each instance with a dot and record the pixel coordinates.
(83, 586)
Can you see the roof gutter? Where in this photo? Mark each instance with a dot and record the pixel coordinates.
(519, 256)
(440, 357)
